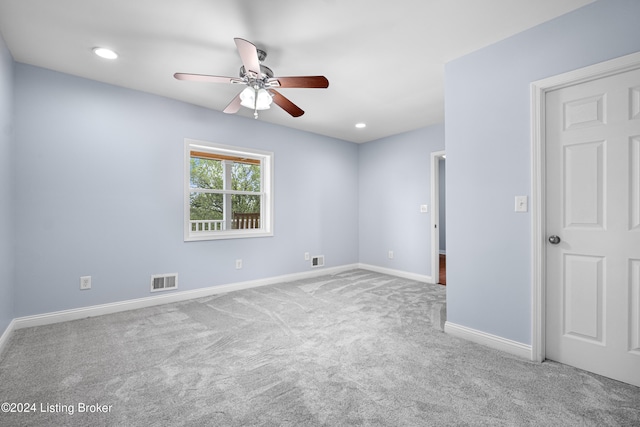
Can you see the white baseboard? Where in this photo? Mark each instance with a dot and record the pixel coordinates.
(116, 307)
(489, 340)
(398, 273)
(4, 338)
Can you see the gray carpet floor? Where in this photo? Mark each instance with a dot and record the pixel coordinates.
(356, 348)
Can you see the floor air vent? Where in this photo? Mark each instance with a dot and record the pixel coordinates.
(317, 261)
(164, 282)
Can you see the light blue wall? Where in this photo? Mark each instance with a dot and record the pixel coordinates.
(487, 112)
(98, 186)
(6, 211)
(395, 179)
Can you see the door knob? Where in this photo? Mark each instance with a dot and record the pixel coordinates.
(554, 240)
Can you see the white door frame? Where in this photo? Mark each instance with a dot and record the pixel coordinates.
(539, 90)
(435, 214)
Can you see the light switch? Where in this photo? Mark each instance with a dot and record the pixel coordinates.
(521, 204)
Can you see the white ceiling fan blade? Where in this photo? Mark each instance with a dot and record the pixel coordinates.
(249, 55)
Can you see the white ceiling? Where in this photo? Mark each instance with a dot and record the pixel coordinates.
(384, 59)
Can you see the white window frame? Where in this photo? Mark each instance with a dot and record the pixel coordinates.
(266, 190)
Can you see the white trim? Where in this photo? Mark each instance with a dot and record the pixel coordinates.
(4, 338)
(117, 307)
(538, 228)
(435, 213)
(99, 310)
(398, 273)
(539, 90)
(488, 340)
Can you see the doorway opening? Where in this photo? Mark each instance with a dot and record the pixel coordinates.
(438, 218)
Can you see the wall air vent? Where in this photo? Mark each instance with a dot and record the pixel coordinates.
(317, 261)
(164, 282)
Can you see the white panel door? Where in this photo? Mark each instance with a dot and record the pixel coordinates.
(593, 207)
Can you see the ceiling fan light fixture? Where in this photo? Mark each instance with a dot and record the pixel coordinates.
(255, 99)
(105, 53)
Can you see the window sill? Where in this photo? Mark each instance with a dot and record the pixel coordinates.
(240, 234)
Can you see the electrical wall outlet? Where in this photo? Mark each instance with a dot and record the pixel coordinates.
(238, 264)
(390, 254)
(306, 256)
(85, 282)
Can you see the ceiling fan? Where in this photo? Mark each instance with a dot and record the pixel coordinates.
(261, 84)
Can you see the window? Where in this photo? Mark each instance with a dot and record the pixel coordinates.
(228, 192)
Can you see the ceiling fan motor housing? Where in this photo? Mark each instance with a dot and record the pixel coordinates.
(266, 72)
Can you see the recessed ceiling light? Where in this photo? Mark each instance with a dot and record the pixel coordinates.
(361, 125)
(105, 53)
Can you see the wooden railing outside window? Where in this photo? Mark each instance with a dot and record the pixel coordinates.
(245, 220)
(239, 221)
